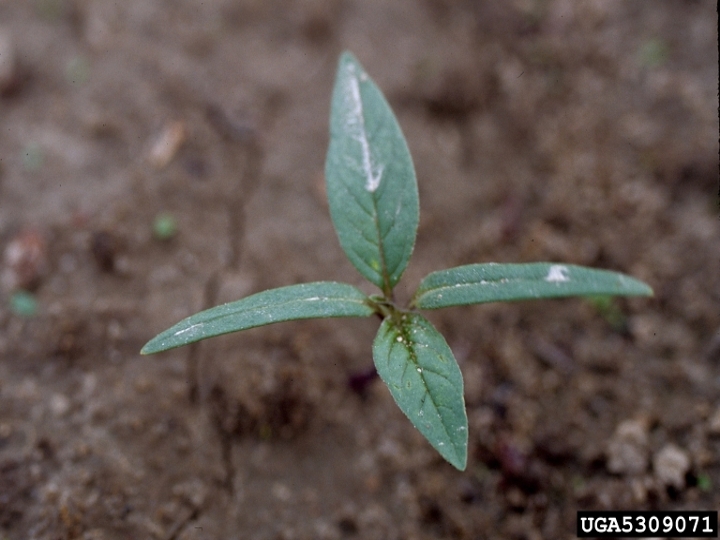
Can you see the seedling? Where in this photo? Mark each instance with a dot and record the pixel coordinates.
(164, 226)
(24, 304)
(373, 198)
(608, 309)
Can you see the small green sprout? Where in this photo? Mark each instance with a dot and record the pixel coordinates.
(704, 482)
(608, 309)
(164, 226)
(373, 199)
(23, 304)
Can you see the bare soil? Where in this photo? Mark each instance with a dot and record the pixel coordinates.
(580, 132)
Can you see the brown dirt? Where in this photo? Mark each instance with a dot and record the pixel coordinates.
(541, 130)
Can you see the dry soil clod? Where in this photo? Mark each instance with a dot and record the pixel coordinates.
(671, 464)
(25, 260)
(628, 448)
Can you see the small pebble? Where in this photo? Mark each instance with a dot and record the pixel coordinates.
(627, 450)
(25, 260)
(671, 464)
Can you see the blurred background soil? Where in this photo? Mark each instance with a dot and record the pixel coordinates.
(159, 157)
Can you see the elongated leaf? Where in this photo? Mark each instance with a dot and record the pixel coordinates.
(305, 301)
(370, 178)
(420, 370)
(491, 282)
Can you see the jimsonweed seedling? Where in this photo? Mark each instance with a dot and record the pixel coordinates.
(373, 198)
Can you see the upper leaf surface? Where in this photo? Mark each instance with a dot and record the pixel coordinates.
(371, 185)
(491, 282)
(416, 363)
(304, 301)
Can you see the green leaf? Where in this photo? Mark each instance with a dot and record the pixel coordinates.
(305, 301)
(417, 365)
(491, 282)
(371, 184)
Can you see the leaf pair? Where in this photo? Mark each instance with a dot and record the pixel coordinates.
(373, 198)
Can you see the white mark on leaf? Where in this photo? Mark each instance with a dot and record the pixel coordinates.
(356, 123)
(189, 328)
(557, 274)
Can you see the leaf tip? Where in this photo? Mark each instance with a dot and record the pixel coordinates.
(346, 57)
(459, 461)
(648, 289)
(154, 346)
(639, 288)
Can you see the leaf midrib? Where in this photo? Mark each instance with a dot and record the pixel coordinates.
(496, 281)
(315, 298)
(387, 288)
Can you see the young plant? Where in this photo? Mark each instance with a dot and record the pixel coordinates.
(373, 197)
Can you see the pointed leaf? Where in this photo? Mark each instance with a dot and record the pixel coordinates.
(371, 184)
(491, 282)
(417, 365)
(305, 301)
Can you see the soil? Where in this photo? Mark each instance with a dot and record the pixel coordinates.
(580, 132)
